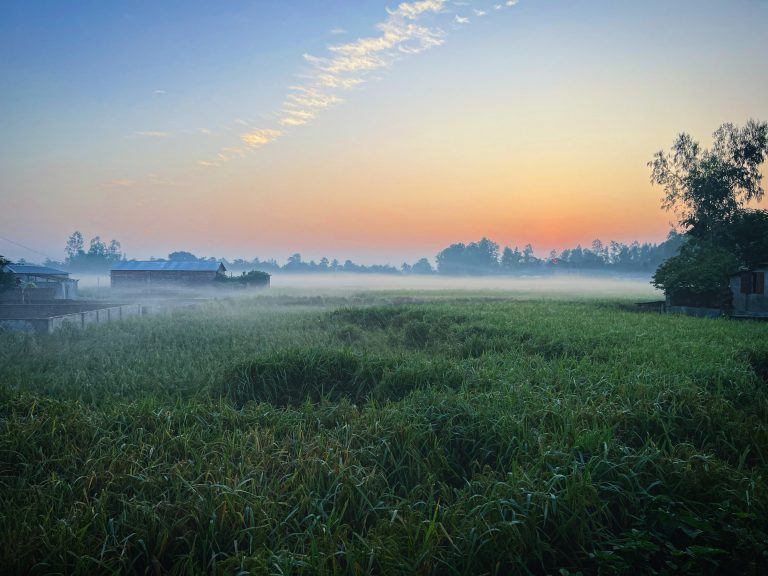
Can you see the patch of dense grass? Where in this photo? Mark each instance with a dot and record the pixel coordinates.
(295, 376)
(478, 437)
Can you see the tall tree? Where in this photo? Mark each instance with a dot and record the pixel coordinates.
(75, 245)
(707, 187)
(709, 190)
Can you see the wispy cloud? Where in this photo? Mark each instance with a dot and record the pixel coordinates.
(151, 134)
(121, 183)
(408, 29)
(260, 137)
(337, 31)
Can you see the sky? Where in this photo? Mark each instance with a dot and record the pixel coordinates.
(371, 130)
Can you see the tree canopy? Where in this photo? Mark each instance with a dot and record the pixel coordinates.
(710, 190)
(706, 187)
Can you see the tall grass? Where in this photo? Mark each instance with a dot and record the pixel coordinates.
(475, 437)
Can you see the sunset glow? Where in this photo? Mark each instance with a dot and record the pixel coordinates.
(368, 130)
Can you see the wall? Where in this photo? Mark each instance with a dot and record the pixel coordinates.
(748, 304)
(75, 320)
(159, 278)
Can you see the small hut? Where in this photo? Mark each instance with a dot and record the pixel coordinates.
(749, 295)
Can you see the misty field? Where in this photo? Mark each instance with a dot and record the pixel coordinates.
(387, 434)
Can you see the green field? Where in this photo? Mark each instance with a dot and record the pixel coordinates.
(387, 434)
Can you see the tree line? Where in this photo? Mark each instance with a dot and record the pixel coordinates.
(481, 258)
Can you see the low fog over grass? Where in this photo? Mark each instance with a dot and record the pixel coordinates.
(561, 286)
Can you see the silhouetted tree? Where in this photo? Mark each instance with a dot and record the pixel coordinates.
(100, 256)
(75, 245)
(182, 256)
(480, 257)
(7, 279)
(422, 266)
(709, 188)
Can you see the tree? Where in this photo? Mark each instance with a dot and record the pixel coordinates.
(698, 275)
(422, 266)
(7, 279)
(181, 256)
(480, 257)
(75, 245)
(748, 237)
(709, 190)
(707, 187)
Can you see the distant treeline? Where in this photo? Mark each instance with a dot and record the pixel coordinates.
(482, 258)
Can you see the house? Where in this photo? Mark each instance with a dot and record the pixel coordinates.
(154, 274)
(749, 293)
(38, 283)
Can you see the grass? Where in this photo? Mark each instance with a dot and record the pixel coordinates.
(332, 435)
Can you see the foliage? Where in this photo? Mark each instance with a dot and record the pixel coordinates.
(7, 280)
(182, 256)
(748, 237)
(574, 437)
(698, 275)
(478, 258)
(253, 278)
(707, 187)
(99, 257)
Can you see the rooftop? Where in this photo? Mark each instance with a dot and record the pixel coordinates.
(32, 269)
(159, 265)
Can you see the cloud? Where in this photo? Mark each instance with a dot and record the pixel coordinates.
(160, 92)
(408, 29)
(351, 64)
(260, 137)
(121, 182)
(230, 153)
(151, 134)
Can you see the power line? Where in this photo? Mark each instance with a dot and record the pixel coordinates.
(25, 247)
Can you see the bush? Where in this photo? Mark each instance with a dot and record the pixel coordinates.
(254, 278)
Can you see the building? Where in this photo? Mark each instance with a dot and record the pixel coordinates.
(38, 283)
(749, 293)
(152, 274)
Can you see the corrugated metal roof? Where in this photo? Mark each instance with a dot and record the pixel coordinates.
(32, 269)
(155, 266)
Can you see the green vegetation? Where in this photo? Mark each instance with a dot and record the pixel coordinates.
(253, 278)
(710, 191)
(297, 435)
(7, 280)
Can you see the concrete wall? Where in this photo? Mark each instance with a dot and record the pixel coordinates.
(748, 304)
(74, 320)
(39, 294)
